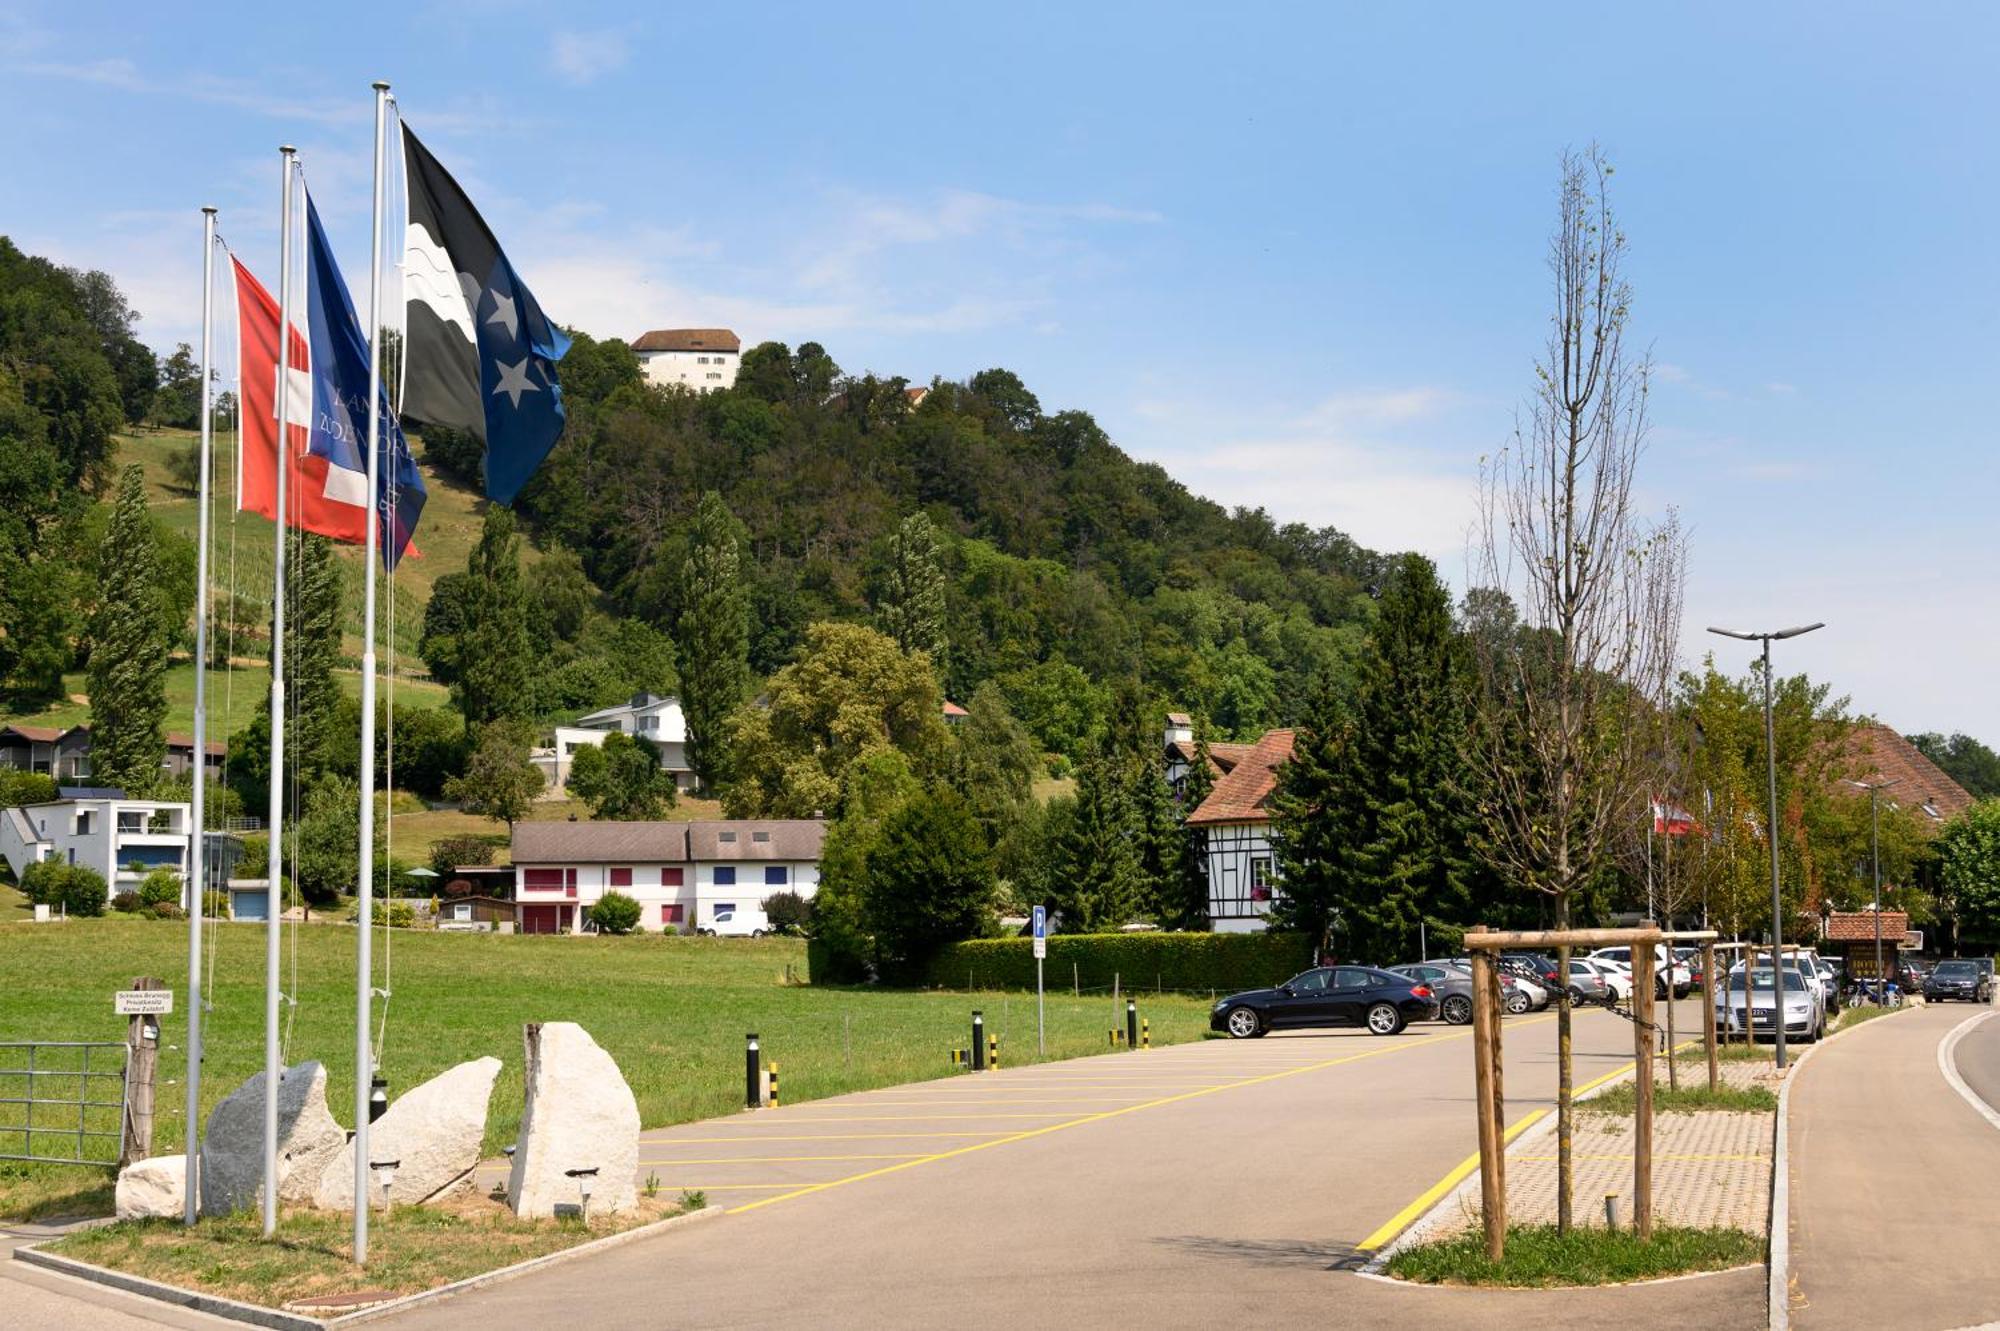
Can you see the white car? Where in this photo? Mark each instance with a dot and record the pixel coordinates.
(1683, 978)
(1616, 978)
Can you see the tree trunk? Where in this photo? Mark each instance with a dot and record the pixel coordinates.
(1565, 1078)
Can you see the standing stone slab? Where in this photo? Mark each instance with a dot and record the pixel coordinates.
(152, 1188)
(434, 1130)
(232, 1150)
(580, 1114)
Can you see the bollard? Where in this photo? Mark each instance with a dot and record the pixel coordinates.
(1131, 1024)
(774, 1083)
(753, 1080)
(378, 1097)
(1145, 1033)
(1611, 1211)
(978, 1042)
(993, 1052)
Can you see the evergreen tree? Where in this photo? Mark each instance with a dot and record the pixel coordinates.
(1157, 829)
(1187, 908)
(995, 763)
(314, 709)
(712, 638)
(911, 606)
(930, 881)
(128, 657)
(1310, 832)
(496, 653)
(1103, 885)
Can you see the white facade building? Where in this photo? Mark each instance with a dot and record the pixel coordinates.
(123, 839)
(1235, 822)
(648, 716)
(696, 877)
(703, 359)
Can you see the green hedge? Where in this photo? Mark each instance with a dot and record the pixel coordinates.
(1222, 962)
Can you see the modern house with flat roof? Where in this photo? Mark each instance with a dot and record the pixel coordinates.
(123, 839)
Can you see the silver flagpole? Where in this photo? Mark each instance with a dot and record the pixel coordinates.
(198, 854)
(364, 974)
(274, 897)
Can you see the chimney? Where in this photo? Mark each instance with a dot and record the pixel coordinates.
(1180, 728)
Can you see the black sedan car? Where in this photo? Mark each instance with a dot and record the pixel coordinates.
(1328, 996)
(1957, 979)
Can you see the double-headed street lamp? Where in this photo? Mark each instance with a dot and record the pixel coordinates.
(1771, 836)
(1875, 859)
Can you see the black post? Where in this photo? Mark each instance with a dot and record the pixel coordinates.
(978, 1042)
(1131, 1024)
(753, 1089)
(378, 1097)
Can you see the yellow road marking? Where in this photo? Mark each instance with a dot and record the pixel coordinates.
(771, 1159)
(716, 1187)
(1014, 1100)
(1463, 1170)
(907, 1118)
(1098, 1117)
(827, 1137)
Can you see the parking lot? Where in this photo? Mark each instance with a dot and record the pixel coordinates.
(1225, 1180)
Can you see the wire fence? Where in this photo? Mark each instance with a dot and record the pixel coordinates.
(56, 1103)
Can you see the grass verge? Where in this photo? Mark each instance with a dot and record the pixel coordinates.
(1623, 1100)
(31, 1191)
(1538, 1256)
(1859, 1013)
(410, 1249)
(672, 1011)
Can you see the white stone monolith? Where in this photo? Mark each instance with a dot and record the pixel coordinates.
(432, 1131)
(579, 1114)
(153, 1188)
(232, 1150)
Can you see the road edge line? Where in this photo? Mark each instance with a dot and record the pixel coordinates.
(1947, 1060)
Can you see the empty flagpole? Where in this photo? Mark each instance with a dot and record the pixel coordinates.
(274, 896)
(198, 852)
(364, 977)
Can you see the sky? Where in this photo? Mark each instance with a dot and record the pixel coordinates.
(1294, 253)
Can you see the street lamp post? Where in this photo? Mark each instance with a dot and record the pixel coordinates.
(1771, 836)
(1875, 862)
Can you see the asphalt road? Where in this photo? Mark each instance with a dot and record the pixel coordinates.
(1894, 1178)
(1221, 1182)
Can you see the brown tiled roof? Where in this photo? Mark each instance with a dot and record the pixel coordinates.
(1222, 757)
(46, 734)
(688, 339)
(600, 843)
(1240, 795)
(1173, 718)
(1876, 753)
(950, 708)
(178, 740)
(785, 839)
(1856, 926)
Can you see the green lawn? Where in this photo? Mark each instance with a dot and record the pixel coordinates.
(672, 1011)
(1536, 1255)
(233, 696)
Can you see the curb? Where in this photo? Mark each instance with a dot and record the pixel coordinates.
(279, 1320)
(1778, 1297)
(1947, 1060)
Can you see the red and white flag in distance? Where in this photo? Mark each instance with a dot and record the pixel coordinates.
(322, 498)
(1671, 820)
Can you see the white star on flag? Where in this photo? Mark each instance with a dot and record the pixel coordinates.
(514, 381)
(504, 315)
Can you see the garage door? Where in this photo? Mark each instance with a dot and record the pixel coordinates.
(541, 919)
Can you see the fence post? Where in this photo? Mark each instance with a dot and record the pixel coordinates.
(753, 1081)
(1642, 1100)
(142, 1046)
(1492, 1165)
(1708, 1011)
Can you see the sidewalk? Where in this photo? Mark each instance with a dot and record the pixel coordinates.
(1893, 1182)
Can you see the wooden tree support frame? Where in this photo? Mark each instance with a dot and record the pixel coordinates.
(1482, 945)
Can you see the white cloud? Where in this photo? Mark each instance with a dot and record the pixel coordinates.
(585, 57)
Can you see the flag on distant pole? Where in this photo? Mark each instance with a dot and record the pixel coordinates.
(1672, 820)
(479, 354)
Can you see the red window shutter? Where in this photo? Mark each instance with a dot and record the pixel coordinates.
(542, 878)
(619, 877)
(668, 877)
(569, 882)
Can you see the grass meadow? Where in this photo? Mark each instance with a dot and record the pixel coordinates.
(672, 1011)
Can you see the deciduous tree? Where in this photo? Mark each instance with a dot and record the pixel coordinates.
(621, 778)
(498, 780)
(712, 639)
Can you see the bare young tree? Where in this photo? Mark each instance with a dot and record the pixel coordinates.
(1567, 706)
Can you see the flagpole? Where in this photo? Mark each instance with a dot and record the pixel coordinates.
(198, 852)
(274, 896)
(364, 976)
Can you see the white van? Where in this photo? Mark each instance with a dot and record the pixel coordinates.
(1621, 957)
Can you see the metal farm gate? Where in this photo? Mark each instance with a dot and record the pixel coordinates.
(62, 1101)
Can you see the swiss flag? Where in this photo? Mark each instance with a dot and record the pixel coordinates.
(321, 498)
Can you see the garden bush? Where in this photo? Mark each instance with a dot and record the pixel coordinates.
(166, 910)
(453, 851)
(615, 913)
(75, 888)
(160, 885)
(215, 905)
(789, 913)
(1193, 961)
(125, 903)
(26, 787)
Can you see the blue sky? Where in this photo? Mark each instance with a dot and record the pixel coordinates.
(1294, 253)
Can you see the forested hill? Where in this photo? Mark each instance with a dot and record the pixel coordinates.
(1065, 557)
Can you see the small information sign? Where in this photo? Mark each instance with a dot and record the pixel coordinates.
(143, 1002)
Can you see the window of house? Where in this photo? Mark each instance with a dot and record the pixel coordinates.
(754, 836)
(726, 838)
(1260, 878)
(711, 374)
(549, 880)
(699, 360)
(619, 877)
(669, 877)
(83, 818)
(725, 876)
(463, 910)
(671, 913)
(777, 876)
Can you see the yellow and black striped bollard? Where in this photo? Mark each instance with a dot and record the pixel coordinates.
(993, 1052)
(774, 1085)
(1145, 1033)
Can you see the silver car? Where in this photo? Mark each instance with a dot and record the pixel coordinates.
(1587, 984)
(1452, 986)
(1804, 1018)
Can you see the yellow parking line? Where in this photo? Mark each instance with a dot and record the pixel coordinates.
(770, 1159)
(718, 1187)
(829, 1137)
(1099, 1117)
(1463, 1170)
